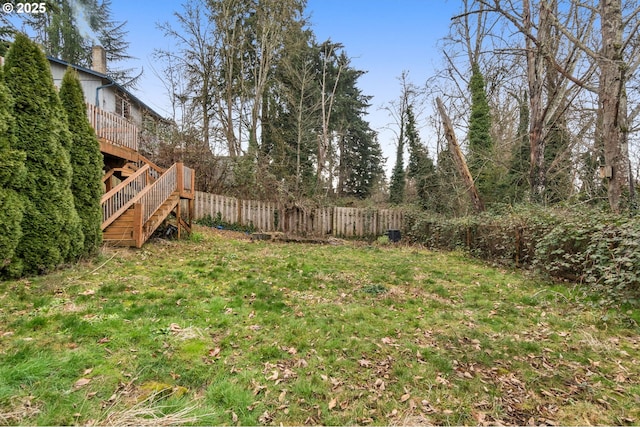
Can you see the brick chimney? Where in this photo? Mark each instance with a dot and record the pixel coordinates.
(99, 59)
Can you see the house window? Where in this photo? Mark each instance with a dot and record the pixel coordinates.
(123, 107)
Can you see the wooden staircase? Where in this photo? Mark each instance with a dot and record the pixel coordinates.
(136, 207)
(146, 194)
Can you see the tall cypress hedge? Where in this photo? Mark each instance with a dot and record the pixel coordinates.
(86, 162)
(51, 226)
(12, 173)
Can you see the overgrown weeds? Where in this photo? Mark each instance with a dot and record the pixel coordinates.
(222, 330)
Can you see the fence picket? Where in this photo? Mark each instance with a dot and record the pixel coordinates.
(337, 221)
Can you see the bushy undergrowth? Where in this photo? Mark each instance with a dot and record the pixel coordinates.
(217, 222)
(576, 244)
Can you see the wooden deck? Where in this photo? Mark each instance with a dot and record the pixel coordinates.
(146, 195)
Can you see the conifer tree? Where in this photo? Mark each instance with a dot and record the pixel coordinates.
(396, 186)
(421, 168)
(516, 182)
(480, 142)
(12, 173)
(86, 162)
(51, 226)
(70, 27)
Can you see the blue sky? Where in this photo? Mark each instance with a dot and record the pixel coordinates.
(383, 38)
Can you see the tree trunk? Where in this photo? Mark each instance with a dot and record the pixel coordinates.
(613, 101)
(461, 164)
(535, 78)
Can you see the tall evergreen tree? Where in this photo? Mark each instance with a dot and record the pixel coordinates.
(516, 182)
(362, 156)
(397, 183)
(480, 160)
(70, 28)
(51, 226)
(86, 162)
(289, 128)
(421, 169)
(12, 173)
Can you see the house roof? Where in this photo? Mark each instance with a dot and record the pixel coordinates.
(109, 81)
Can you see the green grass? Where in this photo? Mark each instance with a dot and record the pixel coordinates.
(221, 330)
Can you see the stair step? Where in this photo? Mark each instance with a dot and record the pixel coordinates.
(126, 230)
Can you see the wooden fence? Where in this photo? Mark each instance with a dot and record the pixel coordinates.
(272, 216)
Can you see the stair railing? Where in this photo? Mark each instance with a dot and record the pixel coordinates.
(156, 194)
(121, 197)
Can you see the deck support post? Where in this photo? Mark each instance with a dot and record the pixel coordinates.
(138, 236)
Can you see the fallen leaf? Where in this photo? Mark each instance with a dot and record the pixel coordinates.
(265, 418)
(441, 380)
(405, 397)
(364, 363)
(480, 417)
(103, 340)
(88, 292)
(81, 383)
(234, 417)
(412, 404)
(332, 403)
(214, 352)
(87, 371)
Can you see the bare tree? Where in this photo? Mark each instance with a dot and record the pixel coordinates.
(332, 66)
(195, 56)
(612, 56)
(229, 18)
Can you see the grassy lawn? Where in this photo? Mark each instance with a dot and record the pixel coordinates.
(222, 330)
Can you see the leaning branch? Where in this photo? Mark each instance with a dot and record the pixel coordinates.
(461, 164)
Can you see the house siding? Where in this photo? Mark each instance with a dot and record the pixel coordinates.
(90, 84)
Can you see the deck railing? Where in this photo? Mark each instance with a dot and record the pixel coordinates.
(188, 180)
(112, 128)
(121, 197)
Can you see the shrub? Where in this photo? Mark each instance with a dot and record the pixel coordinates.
(581, 245)
(217, 222)
(50, 225)
(12, 173)
(86, 162)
